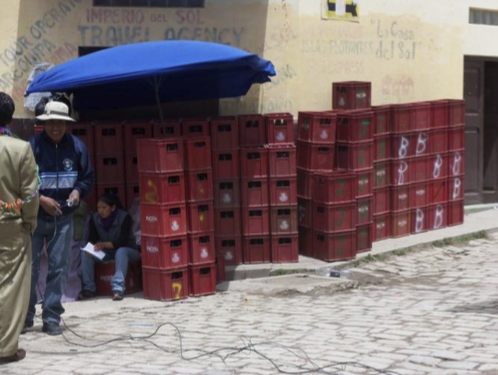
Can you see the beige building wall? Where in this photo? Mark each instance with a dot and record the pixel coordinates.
(480, 40)
(409, 50)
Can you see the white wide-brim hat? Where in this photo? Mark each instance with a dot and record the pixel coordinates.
(55, 111)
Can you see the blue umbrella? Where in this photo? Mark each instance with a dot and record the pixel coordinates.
(155, 72)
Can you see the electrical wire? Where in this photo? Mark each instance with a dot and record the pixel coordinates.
(224, 353)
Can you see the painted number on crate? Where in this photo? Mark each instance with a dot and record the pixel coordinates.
(456, 188)
(381, 175)
(421, 143)
(419, 220)
(361, 95)
(340, 188)
(381, 224)
(438, 163)
(363, 183)
(438, 216)
(403, 167)
(363, 210)
(382, 149)
(363, 239)
(177, 290)
(151, 195)
(364, 125)
(457, 163)
(340, 250)
(403, 147)
(340, 220)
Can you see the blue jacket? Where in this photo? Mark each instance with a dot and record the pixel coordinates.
(63, 167)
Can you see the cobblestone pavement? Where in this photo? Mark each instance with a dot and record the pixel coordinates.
(430, 312)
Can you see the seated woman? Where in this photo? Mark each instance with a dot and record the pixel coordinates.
(110, 232)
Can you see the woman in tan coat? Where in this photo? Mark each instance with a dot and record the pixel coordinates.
(18, 210)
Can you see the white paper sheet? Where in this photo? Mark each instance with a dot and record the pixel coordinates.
(90, 249)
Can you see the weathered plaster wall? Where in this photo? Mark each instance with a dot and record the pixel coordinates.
(409, 50)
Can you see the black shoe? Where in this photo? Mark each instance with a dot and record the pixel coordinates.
(27, 324)
(52, 329)
(117, 296)
(85, 294)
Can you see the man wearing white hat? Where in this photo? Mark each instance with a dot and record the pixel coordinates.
(66, 177)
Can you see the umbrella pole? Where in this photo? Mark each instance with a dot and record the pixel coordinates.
(156, 88)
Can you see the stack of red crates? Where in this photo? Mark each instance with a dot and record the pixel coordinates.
(163, 218)
(315, 153)
(225, 146)
(282, 188)
(254, 189)
(200, 206)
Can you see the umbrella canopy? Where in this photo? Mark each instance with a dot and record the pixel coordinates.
(155, 72)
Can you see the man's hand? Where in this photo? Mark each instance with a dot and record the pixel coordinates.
(50, 206)
(99, 246)
(74, 197)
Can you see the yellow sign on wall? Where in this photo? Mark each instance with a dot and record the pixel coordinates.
(346, 10)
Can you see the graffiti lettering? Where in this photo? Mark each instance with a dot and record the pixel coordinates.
(113, 35)
(225, 35)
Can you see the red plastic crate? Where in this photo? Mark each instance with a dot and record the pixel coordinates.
(226, 164)
(439, 164)
(109, 138)
(351, 95)
(226, 193)
(364, 213)
(195, 127)
(401, 118)
(160, 155)
(132, 132)
(354, 126)
(199, 185)
(456, 112)
(255, 192)
(305, 212)
(84, 131)
(201, 248)
(285, 248)
(91, 199)
(421, 116)
(403, 145)
(279, 127)
(164, 252)
(315, 157)
(381, 119)
(283, 191)
(257, 249)
(420, 168)
(335, 217)
(306, 241)
(109, 168)
(169, 128)
(305, 183)
(202, 279)
(228, 222)
(381, 227)
(317, 127)
(456, 163)
(283, 220)
(382, 200)
(419, 194)
(220, 270)
(163, 220)
(400, 172)
(455, 212)
(254, 162)
(197, 153)
(439, 114)
(165, 285)
(382, 174)
(255, 221)
(105, 271)
(400, 223)
(119, 190)
(162, 188)
(364, 238)
(438, 191)
(456, 188)
(456, 138)
(334, 246)
(200, 217)
(382, 147)
(419, 220)
(438, 141)
(438, 216)
(400, 198)
(230, 248)
(354, 156)
(335, 187)
(225, 133)
(252, 130)
(132, 193)
(131, 167)
(282, 160)
(365, 180)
